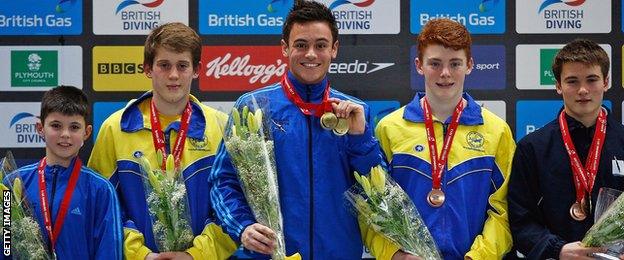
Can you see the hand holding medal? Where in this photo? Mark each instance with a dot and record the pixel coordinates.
(350, 117)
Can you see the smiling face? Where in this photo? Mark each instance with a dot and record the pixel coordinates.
(444, 70)
(310, 51)
(582, 87)
(64, 135)
(172, 74)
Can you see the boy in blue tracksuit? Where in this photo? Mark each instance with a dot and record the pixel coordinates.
(81, 206)
(314, 165)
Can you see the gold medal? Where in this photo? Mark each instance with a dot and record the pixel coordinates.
(436, 198)
(577, 212)
(329, 121)
(342, 127)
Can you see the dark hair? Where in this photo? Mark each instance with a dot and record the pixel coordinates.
(447, 33)
(174, 37)
(67, 100)
(308, 11)
(584, 51)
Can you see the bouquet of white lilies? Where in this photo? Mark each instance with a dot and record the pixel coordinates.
(250, 146)
(385, 207)
(26, 236)
(168, 205)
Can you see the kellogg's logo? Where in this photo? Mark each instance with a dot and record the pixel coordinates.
(240, 68)
(546, 3)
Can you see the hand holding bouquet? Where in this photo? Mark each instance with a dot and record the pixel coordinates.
(168, 205)
(609, 228)
(385, 207)
(251, 149)
(25, 232)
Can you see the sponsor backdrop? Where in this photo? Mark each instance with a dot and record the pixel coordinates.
(97, 46)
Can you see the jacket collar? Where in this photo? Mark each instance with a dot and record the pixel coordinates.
(133, 119)
(470, 116)
(316, 90)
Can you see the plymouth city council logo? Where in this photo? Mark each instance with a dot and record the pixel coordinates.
(546, 3)
(127, 3)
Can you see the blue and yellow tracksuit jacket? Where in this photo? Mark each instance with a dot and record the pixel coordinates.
(314, 167)
(127, 133)
(92, 227)
(473, 220)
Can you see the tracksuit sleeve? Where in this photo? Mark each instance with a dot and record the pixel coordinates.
(532, 238)
(108, 229)
(495, 240)
(363, 150)
(227, 197)
(103, 160)
(212, 243)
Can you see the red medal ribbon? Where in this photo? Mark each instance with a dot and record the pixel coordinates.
(45, 208)
(437, 164)
(306, 108)
(584, 177)
(159, 137)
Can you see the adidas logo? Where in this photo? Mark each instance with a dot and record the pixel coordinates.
(76, 211)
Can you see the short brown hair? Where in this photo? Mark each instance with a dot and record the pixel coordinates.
(309, 11)
(174, 37)
(445, 32)
(584, 51)
(67, 100)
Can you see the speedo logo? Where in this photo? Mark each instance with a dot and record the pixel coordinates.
(357, 67)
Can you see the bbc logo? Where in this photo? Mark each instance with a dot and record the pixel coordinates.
(119, 68)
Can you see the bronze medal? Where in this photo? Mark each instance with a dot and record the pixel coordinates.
(436, 198)
(577, 212)
(329, 121)
(342, 127)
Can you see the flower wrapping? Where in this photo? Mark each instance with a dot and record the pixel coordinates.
(27, 239)
(609, 228)
(167, 203)
(382, 205)
(248, 141)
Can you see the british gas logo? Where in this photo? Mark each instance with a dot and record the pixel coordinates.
(547, 3)
(63, 5)
(271, 8)
(487, 5)
(344, 2)
(127, 3)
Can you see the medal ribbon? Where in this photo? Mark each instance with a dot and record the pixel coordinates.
(437, 164)
(159, 137)
(584, 177)
(45, 208)
(306, 108)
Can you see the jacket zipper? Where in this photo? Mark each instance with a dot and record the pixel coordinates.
(311, 170)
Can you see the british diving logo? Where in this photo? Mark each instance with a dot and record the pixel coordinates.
(547, 3)
(350, 19)
(25, 128)
(127, 3)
